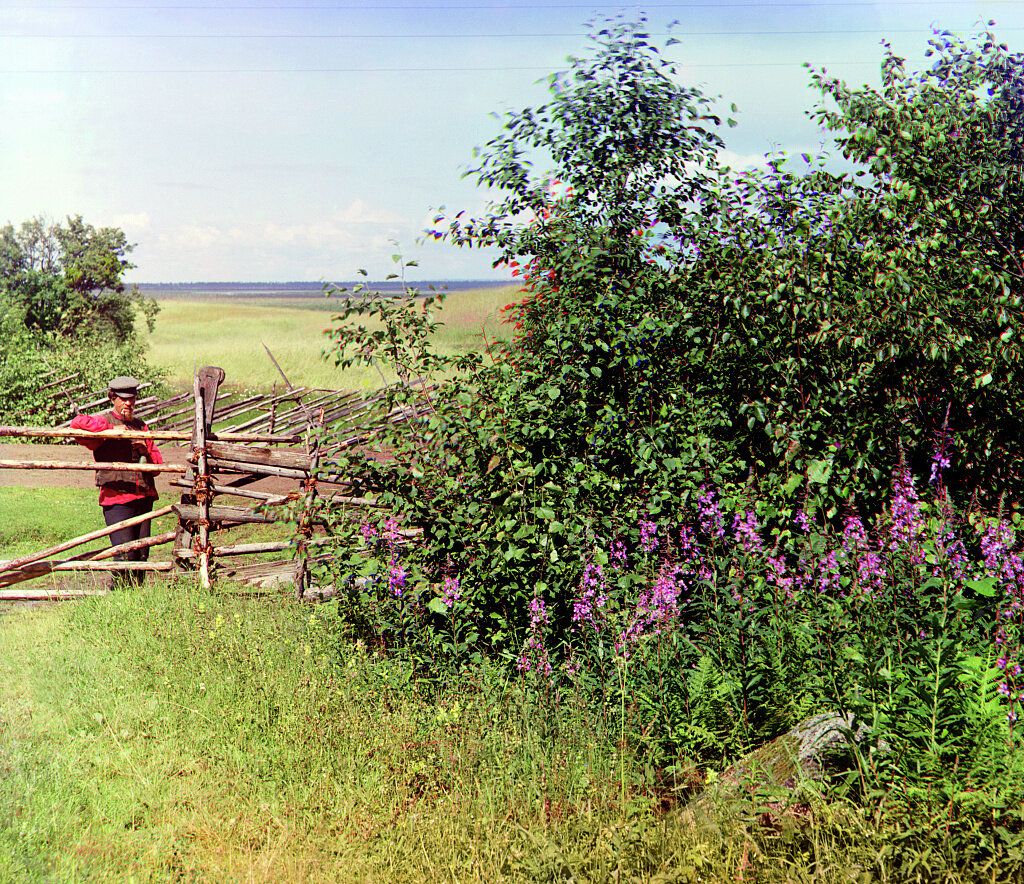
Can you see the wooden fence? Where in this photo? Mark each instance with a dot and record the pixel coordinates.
(226, 455)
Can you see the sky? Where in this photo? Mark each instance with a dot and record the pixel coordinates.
(285, 141)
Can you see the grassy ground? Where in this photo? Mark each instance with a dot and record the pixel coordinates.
(168, 735)
(231, 334)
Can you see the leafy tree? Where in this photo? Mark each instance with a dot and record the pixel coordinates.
(787, 338)
(67, 278)
(857, 319)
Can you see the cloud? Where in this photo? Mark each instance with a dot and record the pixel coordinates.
(129, 222)
(333, 245)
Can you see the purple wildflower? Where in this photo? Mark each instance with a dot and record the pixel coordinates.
(450, 592)
(709, 515)
(747, 528)
(657, 608)
(618, 555)
(591, 600)
(906, 511)
(871, 570)
(648, 536)
(534, 656)
(396, 578)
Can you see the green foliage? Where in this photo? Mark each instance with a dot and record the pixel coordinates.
(64, 310)
(66, 278)
(706, 364)
(866, 312)
(30, 361)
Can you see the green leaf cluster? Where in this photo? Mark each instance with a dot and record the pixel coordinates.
(65, 309)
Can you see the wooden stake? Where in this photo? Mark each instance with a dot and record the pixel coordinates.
(89, 465)
(202, 477)
(41, 569)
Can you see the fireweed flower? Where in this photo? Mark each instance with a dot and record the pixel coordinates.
(747, 528)
(618, 555)
(656, 610)
(871, 571)
(778, 574)
(534, 656)
(396, 578)
(709, 515)
(450, 592)
(648, 536)
(1000, 560)
(906, 512)
(828, 572)
(588, 609)
(688, 547)
(803, 520)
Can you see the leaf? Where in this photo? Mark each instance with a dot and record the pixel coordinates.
(819, 472)
(437, 605)
(985, 586)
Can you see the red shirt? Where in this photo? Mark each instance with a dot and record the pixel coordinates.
(110, 450)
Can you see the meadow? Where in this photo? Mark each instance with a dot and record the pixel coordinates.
(232, 332)
(171, 735)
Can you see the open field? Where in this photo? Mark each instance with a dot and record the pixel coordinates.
(231, 333)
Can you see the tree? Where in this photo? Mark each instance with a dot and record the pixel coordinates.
(787, 338)
(875, 316)
(68, 278)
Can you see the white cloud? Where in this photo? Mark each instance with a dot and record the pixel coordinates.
(130, 222)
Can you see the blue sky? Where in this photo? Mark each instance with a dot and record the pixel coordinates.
(295, 141)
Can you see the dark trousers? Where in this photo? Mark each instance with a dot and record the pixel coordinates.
(118, 512)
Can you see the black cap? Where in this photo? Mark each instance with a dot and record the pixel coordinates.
(124, 386)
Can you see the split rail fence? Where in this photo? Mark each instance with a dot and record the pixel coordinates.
(223, 461)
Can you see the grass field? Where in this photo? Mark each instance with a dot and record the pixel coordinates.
(232, 334)
(166, 734)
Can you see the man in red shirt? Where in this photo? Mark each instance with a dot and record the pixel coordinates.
(123, 495)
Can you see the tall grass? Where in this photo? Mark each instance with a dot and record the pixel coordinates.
(232, 334)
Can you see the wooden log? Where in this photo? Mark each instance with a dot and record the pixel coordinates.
(246, 549)
(221, 465)
(90, 465)
(271, 499)
(252, 422)
(59, 381)
(38, 569)
(157, 435)
(15, 564)
(134, 545)
(89, 565)
(295, 460)
(201, 493)
(48, 595)
(191, 512)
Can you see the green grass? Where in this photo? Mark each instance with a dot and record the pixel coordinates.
(32, 519)
(232, 333)
(169, 735)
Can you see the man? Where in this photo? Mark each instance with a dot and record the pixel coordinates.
(123, 495)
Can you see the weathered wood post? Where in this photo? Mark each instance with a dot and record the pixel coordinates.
(204, 389)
